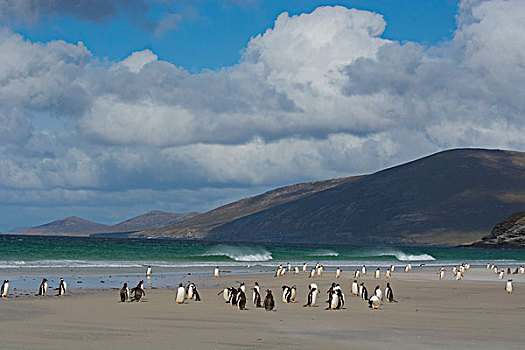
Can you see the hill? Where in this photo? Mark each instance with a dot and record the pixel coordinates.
(448, 198)
(509, 233)
(152, 219)
(70, 226)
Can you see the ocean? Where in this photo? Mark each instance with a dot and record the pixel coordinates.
(113, 260)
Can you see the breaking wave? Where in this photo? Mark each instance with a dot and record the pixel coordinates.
(324, 253)
(401, 256)
(240, 253)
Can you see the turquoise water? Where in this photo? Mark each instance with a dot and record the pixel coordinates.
(41, 252)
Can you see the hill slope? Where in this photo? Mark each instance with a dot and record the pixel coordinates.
(70, 226)
(151, 220)
(450, 197)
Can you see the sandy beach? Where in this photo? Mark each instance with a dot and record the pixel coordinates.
(474, 313)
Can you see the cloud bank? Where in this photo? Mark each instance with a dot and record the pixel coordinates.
(317, 95)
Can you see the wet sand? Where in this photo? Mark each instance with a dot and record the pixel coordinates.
(474, 313)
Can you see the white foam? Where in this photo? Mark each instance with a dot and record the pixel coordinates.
(324, 252)
(240, 253)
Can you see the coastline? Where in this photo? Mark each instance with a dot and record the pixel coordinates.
(472, 313)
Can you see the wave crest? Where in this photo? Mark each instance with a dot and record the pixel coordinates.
(240, 253)
(324, 252)
(401, 256)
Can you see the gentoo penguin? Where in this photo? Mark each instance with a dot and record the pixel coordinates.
(356, 274)
(364, 292)
(338, 273)
(441, 273)
(269, 303)
(242, 287)
(256, 295)
(43, 288)
(378, 292)
(304, 266)
(279, 271)
(459, 276)
(287, 294)
(5, 289)
(378, 274)
(124, 293)
(320, 271)
(387, 274)
(289, 267)
(293, 293)
(389, 294)
(360, 289)
(233, 296)
(181, 294)
(392, 268)
(409, 267)
(335, 300)
(138, 291)
(374, 302)
(509, 287)
(296, 270)
(312, 294)
(283, 272)
(488, 266)
(62, 287)
(216, 272)
(406, 268)
(241, 300)
(355, 288)
(522, 270)
(193, 293)
(148, 272)
(312, 273)
(363, 270)
(501, 274)
(454, 270)
(225, 294)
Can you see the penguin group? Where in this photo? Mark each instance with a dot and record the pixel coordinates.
(509, 285)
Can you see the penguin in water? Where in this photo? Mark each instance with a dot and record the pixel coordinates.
(193, 293)
(338, 273)
(62, 288)
(389, 294)
(241, 299)
(355, 288)
(148, 272)
(269, 303)
(287, 294)
(256, 295)
(124, 293)
(138, 291)
(364, 292)
(5, 289)
(42, 291)
(378, 292)
(312, 295)
(216, 272)
(509, 287)
(374, 302)
(181, 294)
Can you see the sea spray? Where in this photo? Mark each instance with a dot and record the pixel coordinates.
(240, 253)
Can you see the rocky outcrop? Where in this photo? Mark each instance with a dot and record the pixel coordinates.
(509, 233)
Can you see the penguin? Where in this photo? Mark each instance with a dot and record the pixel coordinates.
(378, 292)
(287, 294)
(356, 274)
(189, 291)
(283, 272)
(293, 293)
(392, 268)
(320, 271)
(360, 290)
(364, 292)
(242, 287)
(124, 293)
(312, 295)
(387, 274)
(269, 303)
(509, 287)
(241, 300)
(5, 289)
(233, 297)
(62, 287)
(225, 294)
(389, 293)
(181, 294)
(363, 270)
(148, 272)
(43, 288)
(378, 274)
(488, 266)
(459, 276)
(454, 270)
(441, 273)
(289, 267)
(406, 268)
(312, 273)
(279, 271)
(138, 291)
(330, 292)
(304, 266)
(501, 274)
(256, 295)
(374, 302)
(522, 270)
(409, 267)
(296, 270)
(508, 271)
(515, 271)
(355, 288)
(335, 300)
(338, 273)
(216, 272)
(192, 292)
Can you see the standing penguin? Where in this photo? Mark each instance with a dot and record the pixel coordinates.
(216, 272)
(287, 294)
(392, 268)
(225, 294)
(148, 272)
(193, 293)
(62, 287)
(389, 293)
(387, 274)
(181, 294)
(509, 287)
(233, 297)
(338, 273)
(364, 292)
(256, 295)
(312, 295)
(356, 274)
(293, 293)
(138, 291)
(289, 267)
(5, 289)
(378, 292)
(43, 288)
(296, 270)
(363, 270)
(312, 273)
(355, 288)
(378, 274)
(241, 300)
(269, 303)
(124, 293)
(242, 287)
(304, 266)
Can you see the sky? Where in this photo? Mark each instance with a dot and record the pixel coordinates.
(109, 109)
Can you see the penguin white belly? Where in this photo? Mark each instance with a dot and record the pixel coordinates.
(379, 294)
(378, 274)
(190, 292)
(216, 272)
(294, 292)
(441, 275)
(387, 274)
(360, 291)
(312, 273)
(338, 273)
(334, 302)
(285, 295)
(314, 298)
(226, 294)
(296, 270)
(509, 288)
(181, 295)
(375, 302)
(355, 289)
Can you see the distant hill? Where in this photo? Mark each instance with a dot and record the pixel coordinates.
(452, 197)
(75, 226)
(509, 233)
(198, 226)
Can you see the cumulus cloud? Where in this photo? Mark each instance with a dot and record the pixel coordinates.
(317, 95)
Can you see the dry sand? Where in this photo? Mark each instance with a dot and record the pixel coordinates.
(474, 313)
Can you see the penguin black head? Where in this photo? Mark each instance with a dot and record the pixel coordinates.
(180, 284)
(333, 284)
(44, 280)
(356, 281)
(388, 284)
(256, 283)
(125, 285)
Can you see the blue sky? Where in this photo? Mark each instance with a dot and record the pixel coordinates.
(112, 108)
